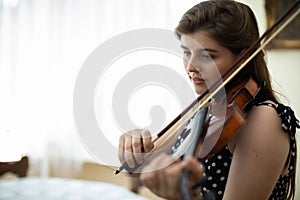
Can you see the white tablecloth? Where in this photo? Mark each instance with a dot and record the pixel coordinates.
(62, 189)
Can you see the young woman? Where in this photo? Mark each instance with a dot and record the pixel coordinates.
(260, 161)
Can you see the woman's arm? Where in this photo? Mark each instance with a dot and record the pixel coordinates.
(259, 156)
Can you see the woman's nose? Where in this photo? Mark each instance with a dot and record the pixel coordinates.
(192, 66)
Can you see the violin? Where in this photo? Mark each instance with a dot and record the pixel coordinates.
(237, 98)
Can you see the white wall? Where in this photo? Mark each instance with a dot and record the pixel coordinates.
(285, 71)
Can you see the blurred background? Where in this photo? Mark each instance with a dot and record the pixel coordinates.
(43, 44)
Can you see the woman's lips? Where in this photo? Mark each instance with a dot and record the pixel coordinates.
(198, 81)
(195, 78)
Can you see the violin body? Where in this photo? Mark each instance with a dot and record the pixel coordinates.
(238, 98)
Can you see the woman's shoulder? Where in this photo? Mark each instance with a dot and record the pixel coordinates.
(263, 125)
(264, 117)
(262, 131)
(289, 122)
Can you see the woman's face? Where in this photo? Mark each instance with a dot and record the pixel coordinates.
(204, 59)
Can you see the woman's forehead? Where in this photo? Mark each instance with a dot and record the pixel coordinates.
(200, 40)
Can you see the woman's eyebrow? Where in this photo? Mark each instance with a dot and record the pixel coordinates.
(183, 47)
(208, 50)
(201, 49)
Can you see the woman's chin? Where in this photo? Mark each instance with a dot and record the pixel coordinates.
(199, 89)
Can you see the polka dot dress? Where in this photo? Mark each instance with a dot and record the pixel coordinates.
(217, 166)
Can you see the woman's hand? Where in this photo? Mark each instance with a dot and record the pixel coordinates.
(161, 176)
(133, 145)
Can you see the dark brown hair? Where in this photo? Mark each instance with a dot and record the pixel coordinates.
(234, 26)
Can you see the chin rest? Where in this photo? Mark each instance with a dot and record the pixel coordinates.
(18, 168)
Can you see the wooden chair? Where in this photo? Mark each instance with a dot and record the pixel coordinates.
(18, 168)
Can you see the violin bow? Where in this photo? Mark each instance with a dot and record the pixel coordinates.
(239, 64)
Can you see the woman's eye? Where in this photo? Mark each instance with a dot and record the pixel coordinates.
(206, 57)
(187, 53)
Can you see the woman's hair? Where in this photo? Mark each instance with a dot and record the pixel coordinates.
(234, 26)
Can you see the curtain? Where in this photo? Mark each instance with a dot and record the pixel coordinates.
(43, 44)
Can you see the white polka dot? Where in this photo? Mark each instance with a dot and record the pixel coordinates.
(218, 171)
(225, 164)
(213, 164)
(214, 185)
(220, 192)
(222, 178)
(293, 153)
(209, 178)
(219, 157)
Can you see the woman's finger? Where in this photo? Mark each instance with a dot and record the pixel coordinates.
(147, 141)
(137, 146)
(128, 151)
(121, 149)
